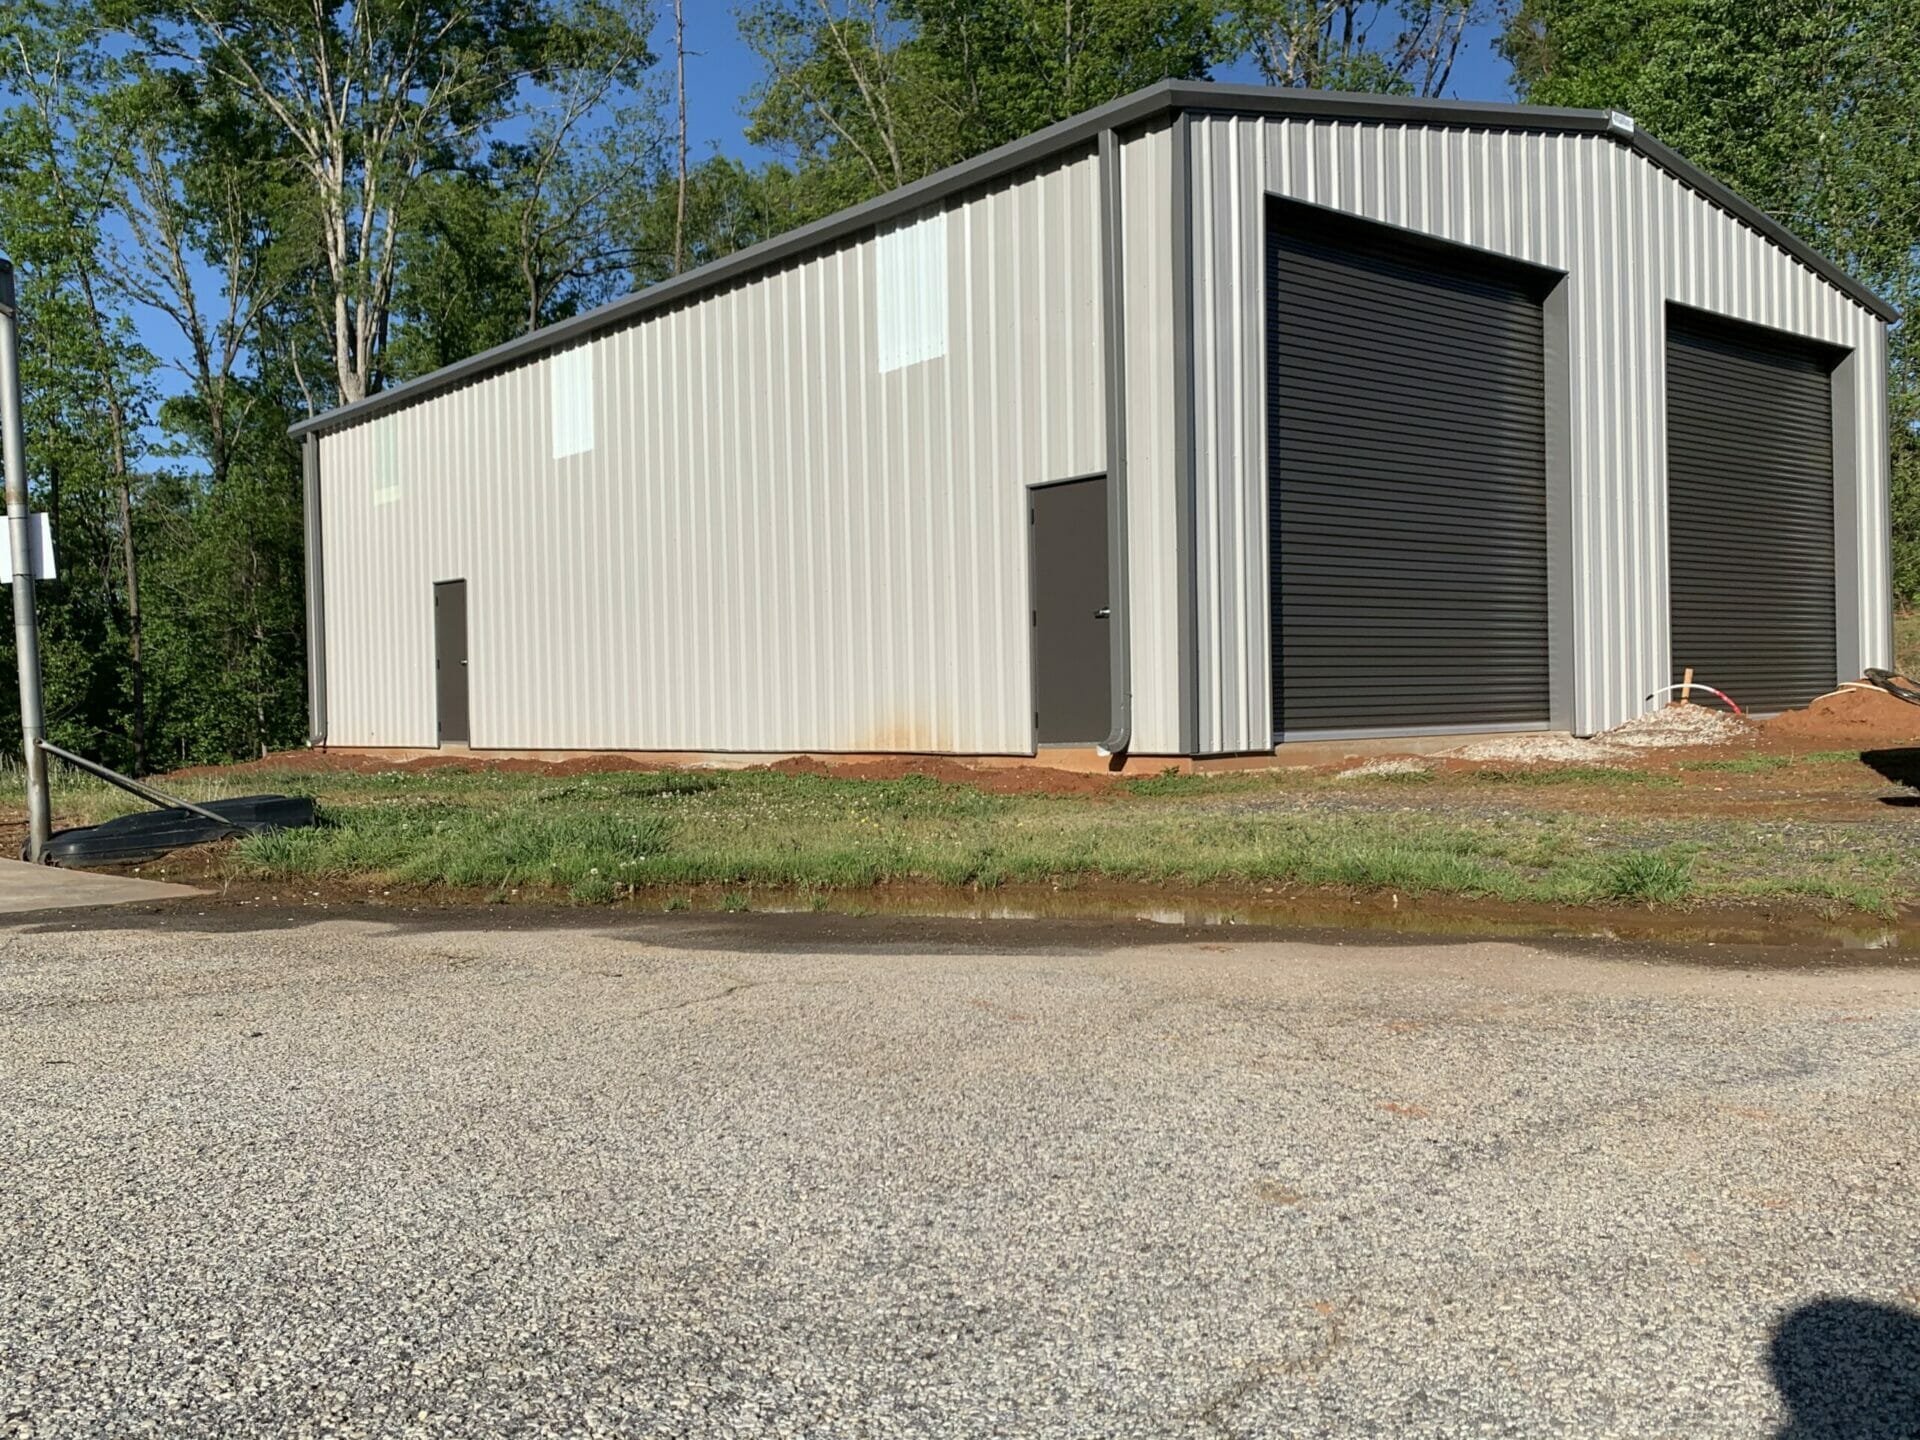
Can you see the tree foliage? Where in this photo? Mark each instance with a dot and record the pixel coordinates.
(231, 214)
(1809, 108)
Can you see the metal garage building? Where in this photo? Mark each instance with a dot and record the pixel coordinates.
(1213, 418)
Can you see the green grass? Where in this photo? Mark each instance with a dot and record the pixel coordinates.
(1761, 764)
(1660, 877)
(602, 838)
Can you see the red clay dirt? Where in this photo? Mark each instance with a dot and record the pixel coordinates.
(993, 779)
(1848, 719)
(1851, 720)
(334, 762)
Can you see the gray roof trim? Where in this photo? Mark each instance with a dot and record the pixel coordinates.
(1157, 102)
(1737, 205)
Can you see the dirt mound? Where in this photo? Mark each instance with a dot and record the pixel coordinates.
(1852, 719)
(993, 779)
(334, 762)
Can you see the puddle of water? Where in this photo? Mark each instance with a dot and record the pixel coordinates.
(1385, 916)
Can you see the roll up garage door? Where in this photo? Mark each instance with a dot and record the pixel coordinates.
(1407, 504)
(1750, 511)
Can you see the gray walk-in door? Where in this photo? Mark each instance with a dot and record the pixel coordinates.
(1407, 505)
(450, 659)
(1072, 645)
(1750, 504)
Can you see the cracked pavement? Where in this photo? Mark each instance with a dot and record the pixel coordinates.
(762, 1175)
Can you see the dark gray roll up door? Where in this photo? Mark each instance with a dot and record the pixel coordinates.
(1408, 490)
(1750, 505)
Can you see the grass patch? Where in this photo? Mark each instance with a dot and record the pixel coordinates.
(1657, 877)
(1168, 782)
(1388, 777)
(1602, 775)
(1762, 764)
(1743, 765)
(586, 853)
(600, 838)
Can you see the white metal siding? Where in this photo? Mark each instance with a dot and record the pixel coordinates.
(771, 545)
(1153, 531)
(1631, 238)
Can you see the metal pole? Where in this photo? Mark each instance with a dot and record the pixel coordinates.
(26, 629)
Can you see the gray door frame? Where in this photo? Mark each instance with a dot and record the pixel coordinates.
(1557, 375)
(1843, 378)
(1033, 629)
(441, 679)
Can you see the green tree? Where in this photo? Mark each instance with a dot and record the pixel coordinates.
(366, 101)
(1406, 47)
(867, 95)
(1809, 108)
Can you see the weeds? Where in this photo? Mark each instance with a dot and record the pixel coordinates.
(599, 838)
(1657, 877)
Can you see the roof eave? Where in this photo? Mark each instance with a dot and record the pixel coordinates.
(1155, 103)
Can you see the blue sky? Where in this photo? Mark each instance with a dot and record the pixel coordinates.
(721, 70)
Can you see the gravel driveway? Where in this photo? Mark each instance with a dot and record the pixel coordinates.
(758, 1176)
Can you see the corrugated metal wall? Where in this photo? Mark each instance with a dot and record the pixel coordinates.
(1632, 239)
(1153, 513)
(771, 545)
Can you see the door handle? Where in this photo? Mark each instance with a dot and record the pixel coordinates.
(1103, 613)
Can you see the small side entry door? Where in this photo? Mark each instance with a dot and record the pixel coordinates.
(450, 659)
(1072, 655)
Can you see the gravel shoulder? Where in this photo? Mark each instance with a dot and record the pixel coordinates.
(359, 1178)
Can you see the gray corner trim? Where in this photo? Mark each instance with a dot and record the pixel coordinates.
(316, 591)
(1185, 437)
(1563, 671)
(1168, 99)
(1850, 643)
(1114, 329)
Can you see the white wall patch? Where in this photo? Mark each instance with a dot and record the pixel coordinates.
(910, 299)
(570, 395)
(386, 460)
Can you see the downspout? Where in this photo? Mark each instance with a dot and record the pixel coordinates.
(316, 593)
(1113, 328)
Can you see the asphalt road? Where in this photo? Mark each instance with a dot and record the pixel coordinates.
(721, 1178)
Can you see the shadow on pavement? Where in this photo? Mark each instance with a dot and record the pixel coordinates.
(1848, 1370)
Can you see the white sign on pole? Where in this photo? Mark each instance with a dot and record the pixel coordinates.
(40, 537)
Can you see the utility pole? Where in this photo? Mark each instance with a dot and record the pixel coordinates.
(26, 627)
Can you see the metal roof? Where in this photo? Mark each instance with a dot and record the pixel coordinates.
(1155, 103)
